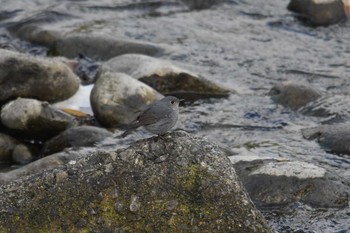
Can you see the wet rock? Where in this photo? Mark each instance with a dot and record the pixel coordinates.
(101, 46)
(336, 106)
(117, 98)
(293, 95)
(318, 13)
(203, 184)
(165, 77)
(311, 102)
(72, 45)
(81, 136)
(23, 154)
(334, 138)
(270, 182)
(11, 150)
(33, 118)
(7, 145)
(45, 79)
(35, 34)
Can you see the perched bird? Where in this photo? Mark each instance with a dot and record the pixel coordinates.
(158, 118)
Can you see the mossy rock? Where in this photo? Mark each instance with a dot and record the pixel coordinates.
(174, 183)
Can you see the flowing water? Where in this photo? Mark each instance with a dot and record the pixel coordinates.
(247, 46)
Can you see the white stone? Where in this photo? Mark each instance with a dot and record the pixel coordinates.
(301, 170)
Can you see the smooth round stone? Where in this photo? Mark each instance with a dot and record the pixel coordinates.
(35, 118)
(117, 98)
(22, 154)
(293, 95)
(23, 75)
(11, 150)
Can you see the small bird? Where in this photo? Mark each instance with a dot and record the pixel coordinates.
(158, 118)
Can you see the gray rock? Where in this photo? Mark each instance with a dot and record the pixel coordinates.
(46, 79)
(35, 34)
(39, 166)
(293, 95)
(117, 99)
(34, 118)
(309, 101)
(165, 77)
(101, 46)
(23, 154)
(81, 136)
(7, 145)
(270, 182)
(188, 192)
(11, 150)
(318, 13)
(328, 105)
(334, 137)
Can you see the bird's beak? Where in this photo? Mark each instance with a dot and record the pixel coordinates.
(181, 100)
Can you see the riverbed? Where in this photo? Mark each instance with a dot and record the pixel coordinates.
(246, 46)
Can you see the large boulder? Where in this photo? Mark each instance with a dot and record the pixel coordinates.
(174, 183)
(117, 99)
(46, 79)
(165, 77)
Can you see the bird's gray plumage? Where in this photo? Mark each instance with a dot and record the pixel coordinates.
(158, 118)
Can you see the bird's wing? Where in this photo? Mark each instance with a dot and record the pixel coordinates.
(151, 116)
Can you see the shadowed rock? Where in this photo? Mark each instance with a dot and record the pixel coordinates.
(318, 13)
(35, 119)
(81, 136)
(165, 77)
(177, 183)
(11, 150)
(200, 4)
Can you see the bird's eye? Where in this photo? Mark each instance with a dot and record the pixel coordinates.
(172, 102)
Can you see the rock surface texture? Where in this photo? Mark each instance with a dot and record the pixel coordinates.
(23, 75)
(176, 183)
